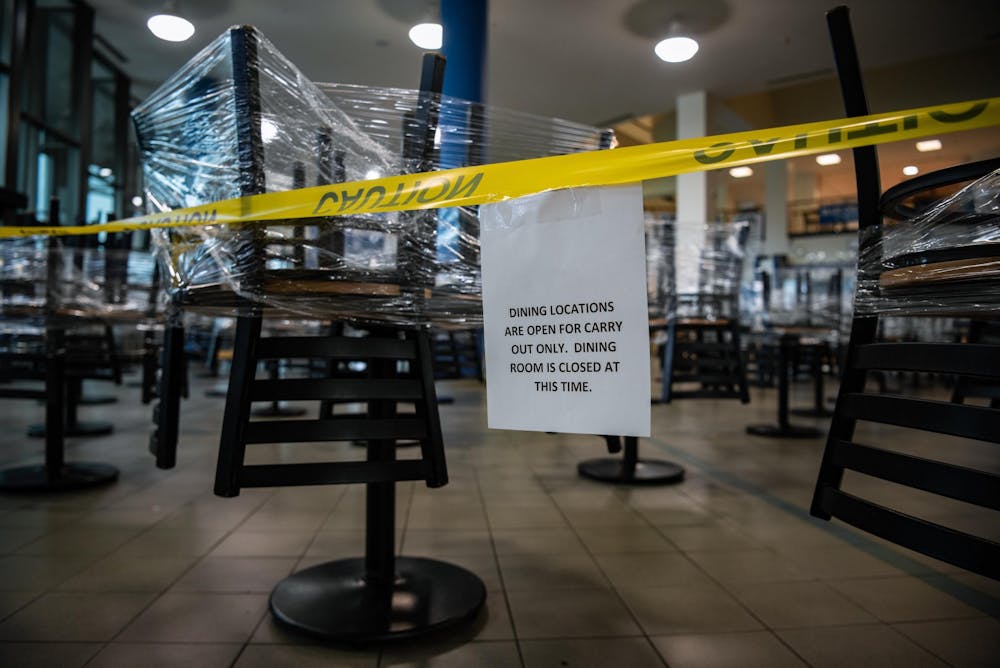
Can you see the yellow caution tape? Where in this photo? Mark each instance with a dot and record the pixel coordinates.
(470, 186)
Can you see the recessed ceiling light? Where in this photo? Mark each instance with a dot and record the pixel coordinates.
(428, 36)
(929, 145)
(828, 159)
(676, 49)
(911, 170)
(170, 28)
(740, 172)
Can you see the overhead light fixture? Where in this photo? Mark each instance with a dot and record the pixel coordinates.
(911, 170)
(137, 200)
(104, 172)
(676, 49)
(427, 36)
(828, 159)
(740, 172)
(929, 145)
(170, 26)
(678, 46)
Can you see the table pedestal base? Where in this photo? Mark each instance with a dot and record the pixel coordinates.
(37, 478)
(334, 600)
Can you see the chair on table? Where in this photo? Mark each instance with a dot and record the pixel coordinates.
(929, 266)
(260, 272)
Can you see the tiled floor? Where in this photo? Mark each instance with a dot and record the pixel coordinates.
(724, 569)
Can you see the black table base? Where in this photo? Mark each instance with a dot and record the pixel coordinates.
(38, 478)
(783, 429)
(629, 469)
(77, 429)
(335, 600)
(645, 472)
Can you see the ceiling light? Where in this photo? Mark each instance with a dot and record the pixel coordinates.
(427, 36)
(676, 49)
(828, 159)
(740, 172)
(137, 200)
(911, 170)
(104, 172)
(170, 27)
(929, 145)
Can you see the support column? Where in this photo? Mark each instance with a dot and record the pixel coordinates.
(775, 207)
(465, 34)
(692, 195)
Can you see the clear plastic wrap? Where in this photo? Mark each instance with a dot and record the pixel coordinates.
(810, 297)
(241, 120)
(943, 261)
(720, 251)
(46, 281)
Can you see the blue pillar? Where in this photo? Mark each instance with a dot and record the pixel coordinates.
(465, 24)
(465, 28)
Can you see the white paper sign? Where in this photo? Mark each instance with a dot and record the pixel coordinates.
(564, 303)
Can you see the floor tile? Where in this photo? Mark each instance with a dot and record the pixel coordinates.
(838, 563)
(334, 544)
(703, 609)
(235, 574)
(550, 571)
(480, 654)
(198, 617)
(445, 542)
(46, 655)
(243, 543)
(129, 574)
(903, 599)
(12, 539)
(971, 642)
(525, 518)
(158, 655)
(555, 540)
(11, 601)
(757, 649)
(782, 605)
(590, 653)
(193, 542)
(625, 539)
(71, 617)
(708, 537)
(303, 656)
(574, 613)
(78, 542)
(862, 646)
(651, 569)
(748, 566)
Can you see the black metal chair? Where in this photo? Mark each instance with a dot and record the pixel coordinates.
(907, 277)
(379, 596)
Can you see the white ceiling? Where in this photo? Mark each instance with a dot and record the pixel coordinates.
(573, 59)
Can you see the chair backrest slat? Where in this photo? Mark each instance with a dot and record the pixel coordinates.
(956, 482)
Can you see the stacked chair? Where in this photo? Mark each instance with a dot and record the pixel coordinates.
(240, 120)
(929, 256)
